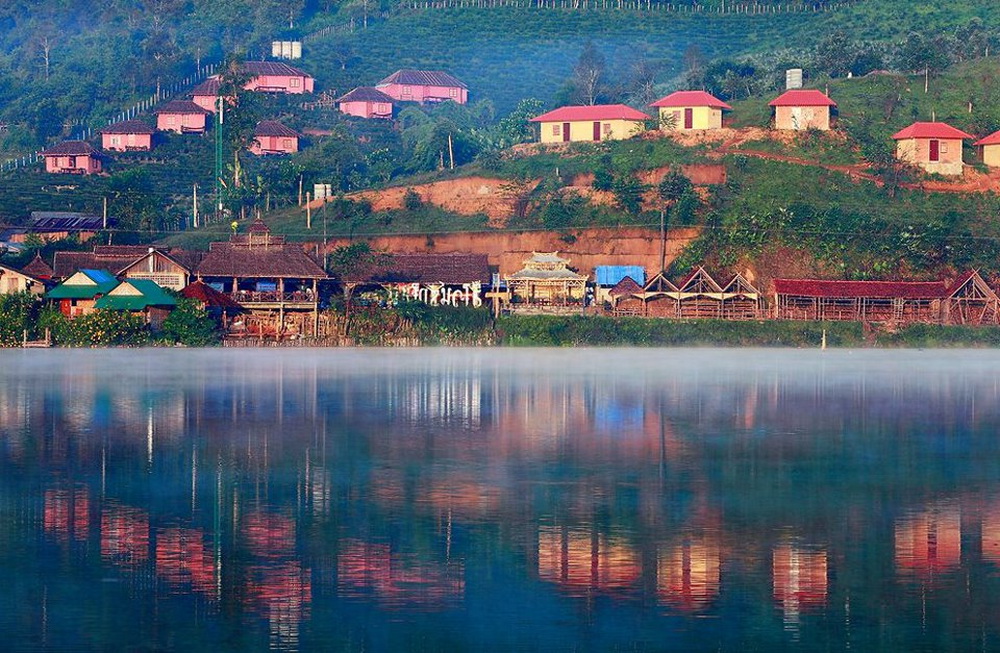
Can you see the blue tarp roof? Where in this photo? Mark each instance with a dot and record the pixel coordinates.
(609, 275)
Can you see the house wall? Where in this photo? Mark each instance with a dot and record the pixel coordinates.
(583, 130)
(82, 164)
(367, 109)
(917, 151)
(701, 118)
(802, 118)
(13, 282)
(206, 102)
(181, 122)
(275, 145)
(417, 93)
(281, 84)
(991, 155)
(126, 142)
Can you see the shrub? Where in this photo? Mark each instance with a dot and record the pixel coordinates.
(107, 328)
(412, 200)
(189, 324)
(18, 312)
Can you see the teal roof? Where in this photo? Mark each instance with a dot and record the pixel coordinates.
(103, 282)
(152, 295)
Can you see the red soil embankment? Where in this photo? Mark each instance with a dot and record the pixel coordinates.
(507, 250)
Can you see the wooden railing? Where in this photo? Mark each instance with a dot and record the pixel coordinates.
(272, 296)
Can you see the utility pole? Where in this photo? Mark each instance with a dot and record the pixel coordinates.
(309, 221)
(218, 156)
(663, 240)
(300, 190)
(451, 153)
(104, 219)
(194, 204)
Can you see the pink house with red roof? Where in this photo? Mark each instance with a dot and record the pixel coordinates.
(271, 137)
(934, 146)
(990, 149)
(77, 157)
(598, 122)
(366, 102)
(802, 109)
(277, 77)
(424, 86)
(687, 110)
(181, 116)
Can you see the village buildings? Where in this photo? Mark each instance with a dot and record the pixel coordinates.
(15, 281)
(688, 110)
(366, 102)
(802, 110)
(76, 157)
(277, 77)
(127, 136)
(271, 137)
(933, 146)
(182, 117)
(48, 226)
(599, 122)
(989, 148)
(424, 86)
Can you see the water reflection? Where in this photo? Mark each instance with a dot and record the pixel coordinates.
(343, 499)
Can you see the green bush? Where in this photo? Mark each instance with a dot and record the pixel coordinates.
(189, 324)
(106, 328)
(18, 313)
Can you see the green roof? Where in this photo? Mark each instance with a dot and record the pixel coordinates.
(152, 295)
(102, 284)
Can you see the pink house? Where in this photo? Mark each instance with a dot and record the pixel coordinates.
(366, 102)
(206, 94)
(424, 86)
(277, 77)
(271, 137)
(181, 116)
(78, 157)
(127, 136)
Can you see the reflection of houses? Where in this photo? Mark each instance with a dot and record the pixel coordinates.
(800, 580)
(125, 535)
(969, 300)
(435, 279)
(687, 574)
(139, 297)
(66, 513)
(599, 122)
(398, 582)
(696, 296)
(580, 560)
(81, 290)
(127, 136)
(366, 102)
(184, 560)
(991, 534)
(547, 279)
(424, 86)
(271, 137)
(933, 146)
(78, 157)
(169, 268)
(274, 280)
(929, 542)
(802, 109)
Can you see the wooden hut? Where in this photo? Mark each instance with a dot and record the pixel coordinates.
(437, 279)
(78, 293)
(547, 279)
(699, 296)
(970, 300)
(660, 297)
(741, 300)
(626, 298)
(15, 281)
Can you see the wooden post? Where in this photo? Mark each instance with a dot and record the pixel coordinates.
(663, 239)
(104, 220)
(300, 190)
(309, 224)
(194, 203)
(451, 153)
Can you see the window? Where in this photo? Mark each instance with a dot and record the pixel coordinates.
(171, 120)
(116, 140)
(407, 91)
(557, 130)
(453, 92)
(287, 144)
(382, 108)
(944, 147)
(606, 128)
(294, 82)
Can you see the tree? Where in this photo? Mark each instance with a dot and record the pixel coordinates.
(350, 265)
(673, 186)
(588, 74)
(132, 201)
(238, 115)
(516, 127)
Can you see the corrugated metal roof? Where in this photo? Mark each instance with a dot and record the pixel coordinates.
(691, 99)
(802, 98)
(411, 77)
(134, 126)
(150, 295)
(930, 130)
(272, 68)
(274, 128)
(184, 107)
(609, 275)
(592, 112)
(861, 289)
(366, 94)
(72, 148)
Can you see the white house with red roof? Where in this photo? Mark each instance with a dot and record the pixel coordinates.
(934, 146)
(424, 86)
(802, 109)
(687, 110)
(597, 122)
(990, 149)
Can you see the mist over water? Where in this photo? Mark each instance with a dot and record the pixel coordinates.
(494, 499)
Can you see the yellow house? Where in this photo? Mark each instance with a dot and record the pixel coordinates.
(934, 146)
(15, 281)
(991, 149)
(686, 110)
(599, 122)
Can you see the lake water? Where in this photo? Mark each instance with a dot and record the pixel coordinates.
(499, 500)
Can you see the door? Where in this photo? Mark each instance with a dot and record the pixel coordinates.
(597, 131)
(565, 132)
(935, 153)
(688, 118)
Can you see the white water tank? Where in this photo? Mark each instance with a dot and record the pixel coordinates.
(793, 78)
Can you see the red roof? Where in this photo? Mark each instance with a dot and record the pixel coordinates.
(627, 286)
(992, 139)
(930, 130)
(802, 98)
(207, 295)
(592, 112)
(870, 289)
(691, 99)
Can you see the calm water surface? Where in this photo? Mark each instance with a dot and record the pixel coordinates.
(499, 500)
